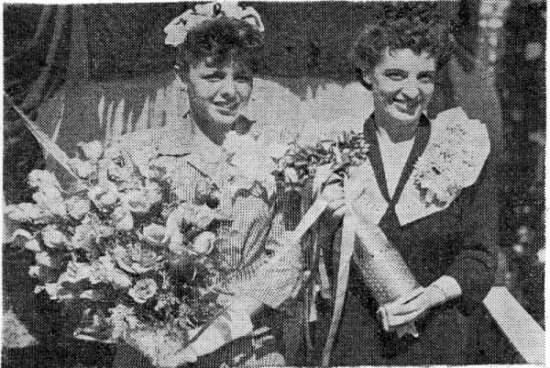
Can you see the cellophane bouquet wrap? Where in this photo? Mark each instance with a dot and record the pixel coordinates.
(126, 251)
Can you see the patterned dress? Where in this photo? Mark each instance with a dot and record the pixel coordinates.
(247, 241)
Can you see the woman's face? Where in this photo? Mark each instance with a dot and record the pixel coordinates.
(218, 91)
(402, 84)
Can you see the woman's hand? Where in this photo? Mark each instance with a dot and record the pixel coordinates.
(403, 312)
(333, 193)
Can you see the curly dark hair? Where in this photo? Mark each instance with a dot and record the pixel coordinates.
(417, 26)
(221, 38)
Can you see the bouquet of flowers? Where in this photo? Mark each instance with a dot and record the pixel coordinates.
(138, 262)
(302, 163)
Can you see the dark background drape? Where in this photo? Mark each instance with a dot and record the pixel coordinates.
(499, 78)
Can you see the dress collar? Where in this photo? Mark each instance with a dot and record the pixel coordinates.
(186, 138)
(420, 142)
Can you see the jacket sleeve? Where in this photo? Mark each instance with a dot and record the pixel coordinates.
(474, 268)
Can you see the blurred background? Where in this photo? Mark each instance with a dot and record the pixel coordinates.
(87, 72)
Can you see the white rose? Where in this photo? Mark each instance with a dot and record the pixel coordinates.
(76, 272)
(119, 279)
(49, 198)
(27, 212)
(55, 291)
(51, 288)
(40, 178)
(16, 213)
(103, 270)
(42, 273)
(204, 243)
(103, 197)
(33, 245)
(136, 201)
(83, 237)
(143, 290)
(123, 219)
(77, 207)
(93, 295)
(48, 260)
(104, 231)
(53, 238)
(34, 271)
(91, 150)
(154, 234)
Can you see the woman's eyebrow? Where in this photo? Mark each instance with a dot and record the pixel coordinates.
(395, 70)
(213, 72)
(426, 73)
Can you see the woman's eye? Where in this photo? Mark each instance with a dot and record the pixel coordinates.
(426, 78)
(395, 76)
(213, 77)
(243, 78)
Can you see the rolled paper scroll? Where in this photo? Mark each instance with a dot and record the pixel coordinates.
(384, 271)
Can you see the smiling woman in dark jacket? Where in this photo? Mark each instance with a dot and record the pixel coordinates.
(431, 185)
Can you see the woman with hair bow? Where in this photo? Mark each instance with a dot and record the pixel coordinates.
(217, 51)
(425, 251)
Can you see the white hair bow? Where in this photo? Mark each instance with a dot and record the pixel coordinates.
(176, 31)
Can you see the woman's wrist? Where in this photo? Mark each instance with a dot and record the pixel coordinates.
(448, 286)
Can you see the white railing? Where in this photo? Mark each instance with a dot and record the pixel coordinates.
(521, 330)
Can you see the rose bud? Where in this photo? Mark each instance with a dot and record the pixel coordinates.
(203, 243)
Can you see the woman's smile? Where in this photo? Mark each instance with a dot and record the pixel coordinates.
(219, 91)
(227, 108)
(407, 106)
(402, 85)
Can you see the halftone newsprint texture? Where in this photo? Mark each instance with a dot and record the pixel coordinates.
(222, 184)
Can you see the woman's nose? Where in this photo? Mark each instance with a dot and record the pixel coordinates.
(411, 91)
(227, 88)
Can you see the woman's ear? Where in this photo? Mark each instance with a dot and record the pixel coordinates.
(180, 72)
(181, 78)
(364, 78)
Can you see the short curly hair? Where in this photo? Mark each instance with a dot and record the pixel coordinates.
(415, 26)
(221, 38)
